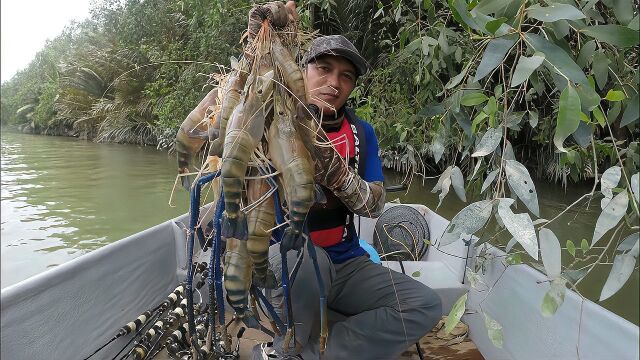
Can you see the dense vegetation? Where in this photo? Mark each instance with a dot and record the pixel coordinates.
(130, 73)
(133, 71)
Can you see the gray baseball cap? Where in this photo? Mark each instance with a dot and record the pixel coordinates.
(337, 45)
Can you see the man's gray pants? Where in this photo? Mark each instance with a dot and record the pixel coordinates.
(380, 312)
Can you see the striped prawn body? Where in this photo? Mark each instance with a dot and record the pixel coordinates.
(260, 222)
(243, 134)
(231, 93)
(291, 158)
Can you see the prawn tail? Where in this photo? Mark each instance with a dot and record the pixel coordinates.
(237, 280)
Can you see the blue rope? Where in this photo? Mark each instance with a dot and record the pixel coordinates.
(193, 221)
(217, 249)
(215, 275)
(283, 258)
(323, 297)
(270, 309)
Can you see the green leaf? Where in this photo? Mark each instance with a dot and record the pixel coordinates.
(533, 118)
(489, 180)
(597, 113)
(493, 55)
(493, 25)
(551, 253)
(475, 280)
(555, 12)
(416, 274)
(458, 78)
(513, 119)
(494, 330)
(413, 46)
(443, 42)
(586, 53)
(589, 98)
(609, 180)
(571, 248)
(601, 68)
(469, 220)
(557, 58)
(614, 111)
(455, 314)
(635, 186)
(632, 112)
(477, 120)
(634, 24)
(620, 36)
(568, 116)
(521, 183)
(554, 297)
(443, 184)
(473, 99)
(615, 95)
(489, 142)
(438, 144)
(492, 106)
(537, 84)
(514, 259)
(611, 215)
(428, 41)
(457, 181)
(526, 66)
(620, 272)
(623, 9)
(584, 246)
(585, 118)
(462, 15)
(629, 242)
(520, 226)
(560, 28)
(484, 20)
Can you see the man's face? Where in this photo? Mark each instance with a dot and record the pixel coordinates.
(330, 80)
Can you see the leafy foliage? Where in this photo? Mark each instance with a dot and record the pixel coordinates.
(550, 86)
(131, 73)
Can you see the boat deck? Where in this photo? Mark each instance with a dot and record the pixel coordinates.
(432, 347)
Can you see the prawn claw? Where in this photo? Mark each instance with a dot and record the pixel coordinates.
(236, 227)
(292, 239)
(265, 281)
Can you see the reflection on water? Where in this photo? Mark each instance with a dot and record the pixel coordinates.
(62, 197)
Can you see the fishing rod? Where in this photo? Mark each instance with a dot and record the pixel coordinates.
(141, 349)
(142, 319)
(148, 316)
(172, 319)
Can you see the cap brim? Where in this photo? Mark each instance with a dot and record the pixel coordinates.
(361, 65)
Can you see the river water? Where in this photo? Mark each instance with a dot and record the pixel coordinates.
(63, 197)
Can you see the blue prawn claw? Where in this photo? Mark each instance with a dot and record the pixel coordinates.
(235, 228)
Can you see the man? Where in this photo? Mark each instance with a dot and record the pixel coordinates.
(385, 311)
